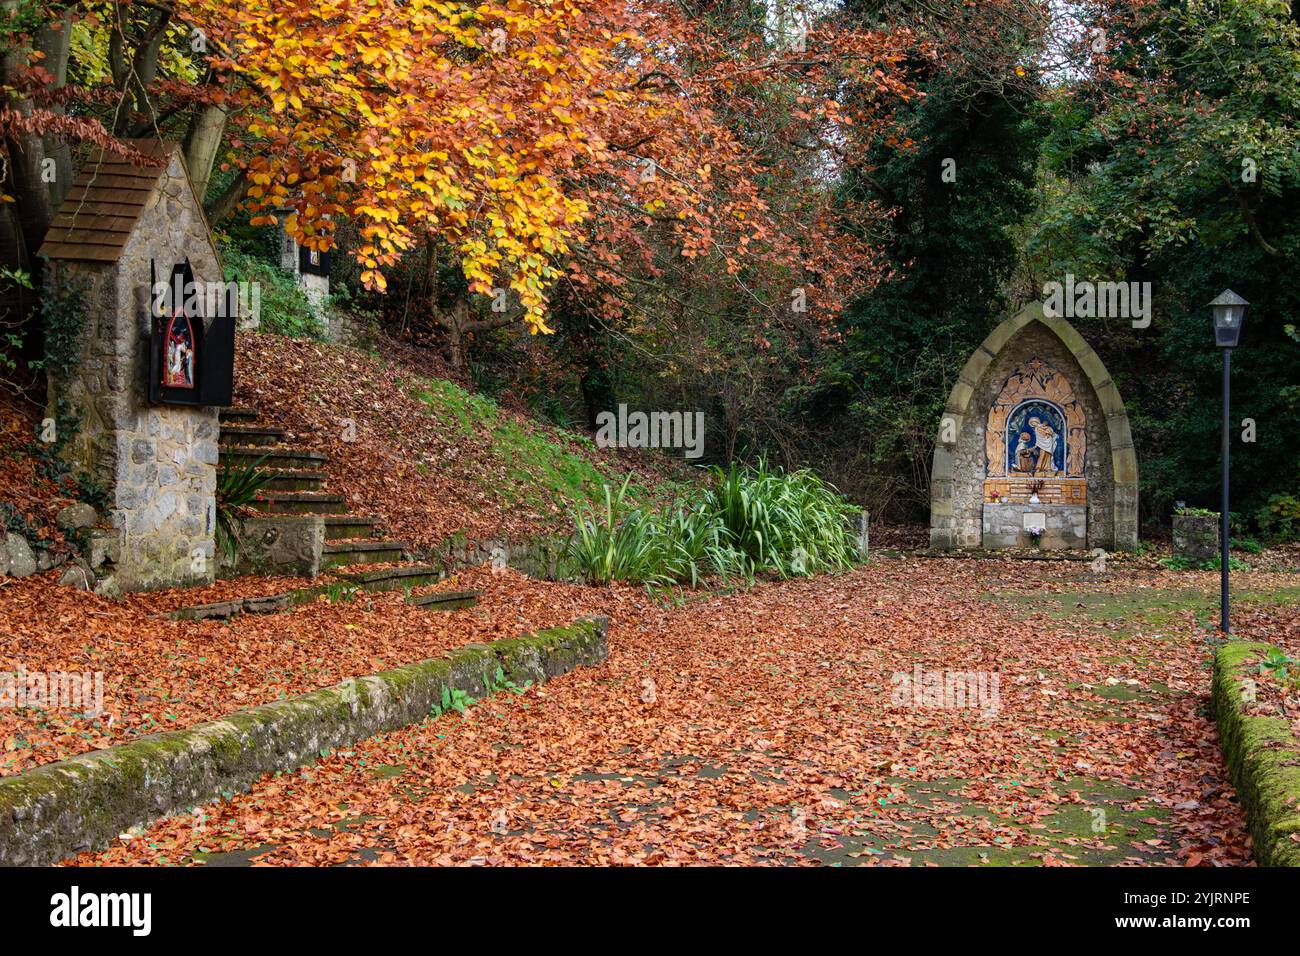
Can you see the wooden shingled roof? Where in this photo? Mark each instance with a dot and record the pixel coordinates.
(104, 203)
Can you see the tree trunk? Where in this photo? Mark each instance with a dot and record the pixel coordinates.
(454, 321)
(202, 143)
(56, 44)
(33, 205)
(225, 204)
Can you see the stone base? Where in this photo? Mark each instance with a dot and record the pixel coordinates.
(278, 545)
(1066, 525)
(1196, 537)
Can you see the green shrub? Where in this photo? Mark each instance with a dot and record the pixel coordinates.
(1279, 520)
(285, 308)
(237, 488)
(789, 522)
(617, 544)
(750, 520)
(1249, 545)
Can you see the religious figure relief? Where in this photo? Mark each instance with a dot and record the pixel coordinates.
(1035, 427)
(178, 353)
(1078, 441)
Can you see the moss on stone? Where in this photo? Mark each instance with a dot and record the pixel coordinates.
(1263, 757)
(85, 801)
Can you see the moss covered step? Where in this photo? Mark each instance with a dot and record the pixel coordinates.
(445, 600)
(396, 579)
(244, 414)
(294, 479)
(1262, 753)
(336, 554)
(241, 456)
(346, 527)
(85, 802)
(299, 503)
(258, 435)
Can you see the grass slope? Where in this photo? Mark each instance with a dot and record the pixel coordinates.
(428, 457)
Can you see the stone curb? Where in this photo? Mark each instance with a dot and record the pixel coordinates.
(1262, 755)
(86, 801)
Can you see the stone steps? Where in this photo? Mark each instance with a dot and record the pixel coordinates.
(336, 554)
(445, 600)
(239, 413)
(241, 456)
(299, 503)
(345, 527)
(395, 579)
(294, 479)
(296, 488)
(251, 435)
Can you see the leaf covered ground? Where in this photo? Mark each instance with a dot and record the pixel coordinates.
(762, 726)
(161, 674)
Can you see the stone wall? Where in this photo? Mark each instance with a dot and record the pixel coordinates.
(158, 463)
(1064, 526)
(1262, 753)
(84, 802)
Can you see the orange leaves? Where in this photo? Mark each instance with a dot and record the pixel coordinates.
(516, 132)
(760, 727)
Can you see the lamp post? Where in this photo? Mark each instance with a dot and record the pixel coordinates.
(1229, 309)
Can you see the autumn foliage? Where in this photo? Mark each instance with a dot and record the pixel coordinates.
(533, 139)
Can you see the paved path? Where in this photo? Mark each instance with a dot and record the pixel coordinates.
(773, 726)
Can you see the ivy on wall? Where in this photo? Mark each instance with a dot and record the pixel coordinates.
(63, 316)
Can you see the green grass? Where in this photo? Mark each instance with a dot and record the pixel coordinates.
(285, 308)
(543, 465)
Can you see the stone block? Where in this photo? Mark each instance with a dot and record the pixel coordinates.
(1196, 537)
(278, 544)
(75, 517)
(76, 577)
(22, 561)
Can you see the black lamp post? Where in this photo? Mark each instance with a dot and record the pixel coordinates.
(1229, 309)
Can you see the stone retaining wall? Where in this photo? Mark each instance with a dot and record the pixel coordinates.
(84, 802)
(1262, 754)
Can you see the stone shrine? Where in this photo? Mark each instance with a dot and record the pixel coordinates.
(122, 228)
(1034, 447)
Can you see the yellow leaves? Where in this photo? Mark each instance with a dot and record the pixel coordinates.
(475, 149)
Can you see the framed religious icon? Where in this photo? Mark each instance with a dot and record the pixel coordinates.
(176, 339)
(313, 262)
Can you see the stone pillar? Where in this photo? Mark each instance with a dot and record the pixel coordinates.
(156, 464)
(861, 534)
(1196, 537)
